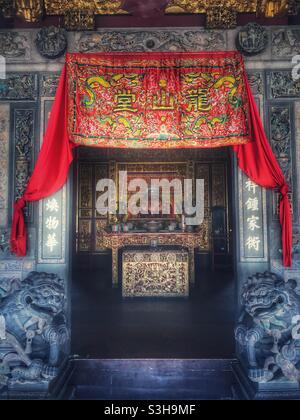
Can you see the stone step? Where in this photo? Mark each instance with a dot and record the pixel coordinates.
(142, 379)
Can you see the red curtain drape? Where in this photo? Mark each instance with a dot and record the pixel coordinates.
(52, 167)
(256, 159)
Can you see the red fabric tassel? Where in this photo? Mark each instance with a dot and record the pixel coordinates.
(18, 230)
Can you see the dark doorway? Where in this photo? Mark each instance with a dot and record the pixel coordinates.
(106, 326)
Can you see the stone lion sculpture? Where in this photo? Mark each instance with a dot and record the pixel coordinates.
(33, 330)
(268, 333)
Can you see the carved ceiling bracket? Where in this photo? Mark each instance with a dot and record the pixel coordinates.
(221, 18)
(79, 20)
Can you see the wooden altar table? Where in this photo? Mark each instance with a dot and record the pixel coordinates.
(117, 241)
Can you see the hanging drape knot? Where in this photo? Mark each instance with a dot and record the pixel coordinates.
(284, 190)
(20, 204)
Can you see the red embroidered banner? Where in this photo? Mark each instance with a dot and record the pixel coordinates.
(154, 101)
(157, 100)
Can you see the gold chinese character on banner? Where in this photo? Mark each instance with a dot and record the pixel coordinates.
(125, 100)
(164, 101)
(198, 100)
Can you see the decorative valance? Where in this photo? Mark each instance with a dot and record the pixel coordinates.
(154, 100)
(157, 101)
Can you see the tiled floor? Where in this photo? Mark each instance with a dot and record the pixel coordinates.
(105, 326)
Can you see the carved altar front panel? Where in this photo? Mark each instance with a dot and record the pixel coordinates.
(117, 241)
(155, 274)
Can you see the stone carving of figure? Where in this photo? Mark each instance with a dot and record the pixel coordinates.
(33, 330)
(268, 331)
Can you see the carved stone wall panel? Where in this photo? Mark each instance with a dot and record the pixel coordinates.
(285, 43)
(296, 240)
(282, 85)
(51, 42)
(4, 163)
(24, 121)
(281, 121)
(150, 40)
(19, 46)
(17, 269)
(4, 242)
(19, 87)
(256, 80)
(252, 39)
(297, 136)
(15, 46)
(49, 84)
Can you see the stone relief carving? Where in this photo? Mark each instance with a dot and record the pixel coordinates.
(24, 135)
(152, 41)
(296, 242)
(19, 87)
(4, 242)
(48, 85)
(268, 331)
(33, 330)
(24, 139)
(280, 121)
(4, 161)
(14, 45)
(253, 39)
(285, 43)
(51, 42)
(256, 80)
(13, 268)
(282, 85)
